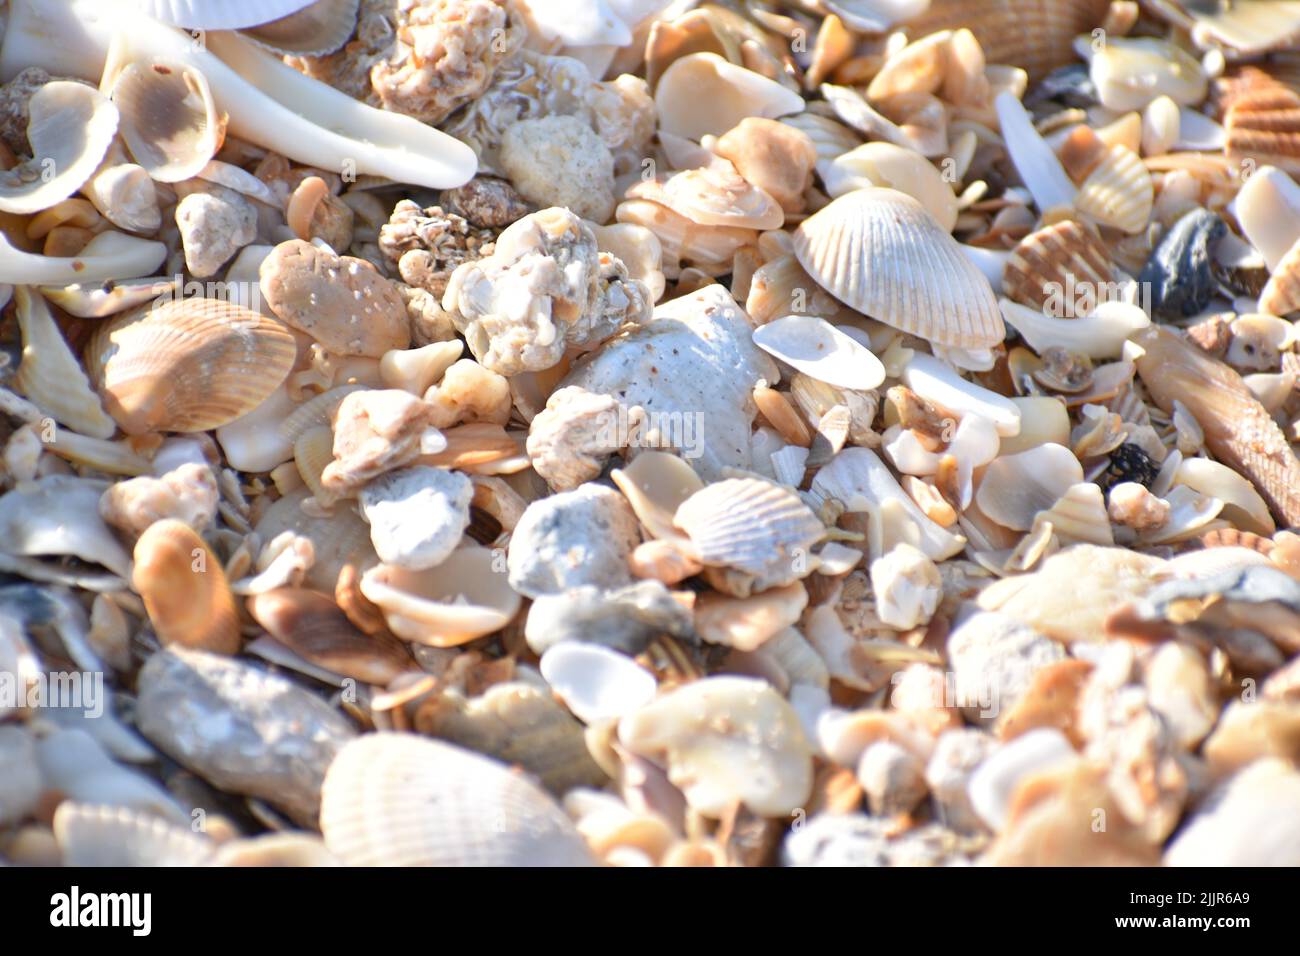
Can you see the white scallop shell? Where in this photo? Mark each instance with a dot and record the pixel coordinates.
(815, 347)
(92, 835)
(878, 251)
(596, 683)
(400, 800)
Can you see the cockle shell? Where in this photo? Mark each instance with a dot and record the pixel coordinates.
(1263, 125)
(1118, 192)
(879, 251)
(1052, 262)
(169, 120)
(703, 93)
(713, 196)
(119, 836)
(70, 129)
(185, 589)
(399, 800)
(187, 365)
(815, 347)
(463, 598)
(50, 375)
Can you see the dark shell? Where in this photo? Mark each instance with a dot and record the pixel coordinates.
(1179, 276)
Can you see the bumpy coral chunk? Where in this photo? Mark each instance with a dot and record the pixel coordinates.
(426, 245)
(546, 288)
(188, 493)
(569, 441)
(377, 430)
(424, 58)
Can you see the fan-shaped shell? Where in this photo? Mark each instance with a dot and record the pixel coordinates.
(878, 251)
(188, 365)
(1118, 192)
(120, 836)
(70, 128)
(400, 800)
(1264, 124)
(316, 30)
(170, 121)
(1054, 259)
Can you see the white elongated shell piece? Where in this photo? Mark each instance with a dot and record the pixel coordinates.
(1037, 163)
(394, 799)
(71, 128)
(702, 93)
(1242, 504)
(1016, 487)
(1268, 209)
(169, 120)
(110, 255)
(880, 252)
(597, 683)
(860, 481)
(1100, 335)
(224, 15)
(815, 347)
(50, 375)
(939, 383)
(94, 301)
(119, 836)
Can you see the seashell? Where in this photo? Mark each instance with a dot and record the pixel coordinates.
(888, 235)
(187, 365)
(1258, 341)
(713, 196)
(753, 526)
(1099, 335)
(1036, 35)
(415, 370)
(709, 249)
(829, 137)
(655, 485)
(994, 783)
(1281, 295)
(884, 164)
(815, 347)
(875, 16)
(1079, 515)
(375, 800)
(57, 516)
(1130, 72)
(597, 683)
(1238, 430)
(275, 849)
(98, 300)
(253, 442)
(1039, 168)
(339, 538)
(1118, 192)
(50, 376)
(939, 383)
(76, 766)
(318, 29)
(1016, 487)
(702, 93)
(1161, 126)
(1064, 264)
(1226, 830)
(70, 128)
(108, 256)
(1242, 505)
(204, 15)
(119, 836)
(1125, 131)
(1245, 28)
(1268, 210)
(774, 156)
(1264, 127)
(861, 482)
(169, 120)
(464, 598)
(726, 739)
(184, 589)
(312, 626)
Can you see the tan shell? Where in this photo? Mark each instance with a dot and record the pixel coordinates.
(341, 302)
(170, 122)
(188, 365)
(1281, 295)
(703, 93)
(70, 128)
(878, 251)
(1054, 258)
(1118, 192)
(399, 800)
(184, 589)
(317, 29)
(655, 485)
(1263, 124)
(313, 627)
(461, 599)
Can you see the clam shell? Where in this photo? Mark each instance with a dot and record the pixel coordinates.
(702, 93)
(318, 29)
(169, 120)
(1015, 488)
(1035, 35)
(399, 800)
(879, 251)
(753, 526)
(463, 598)
(1246, 28)
(70, 128)
(119, 836)
(184, 589)
(596, 682)
(1242, 505)
(815, 347)
(1118, 192)
(313, 452)
(1055, 260)
(50, 375)
(1281, 295)
(187, 365)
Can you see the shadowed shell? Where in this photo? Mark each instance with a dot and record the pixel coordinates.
(169, 120)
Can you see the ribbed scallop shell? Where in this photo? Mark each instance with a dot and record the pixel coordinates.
(1263, 123)
(1281, 295)
(188, 365)
(750, 525)
(1052, 258)
(319, 29)
(338, 538)
(1035, 35)
(312, 452)
(1118, 192)
(120, 836)
(878, 251)
(399, 800)
(1080, 515)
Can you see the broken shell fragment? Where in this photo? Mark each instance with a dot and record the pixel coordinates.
(814, 346)
(702, 93)
(597, 683)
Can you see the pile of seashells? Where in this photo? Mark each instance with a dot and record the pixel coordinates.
(649, 432)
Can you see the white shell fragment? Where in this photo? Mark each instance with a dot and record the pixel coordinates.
(597, 683)
(939, 383)
(815, 347)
